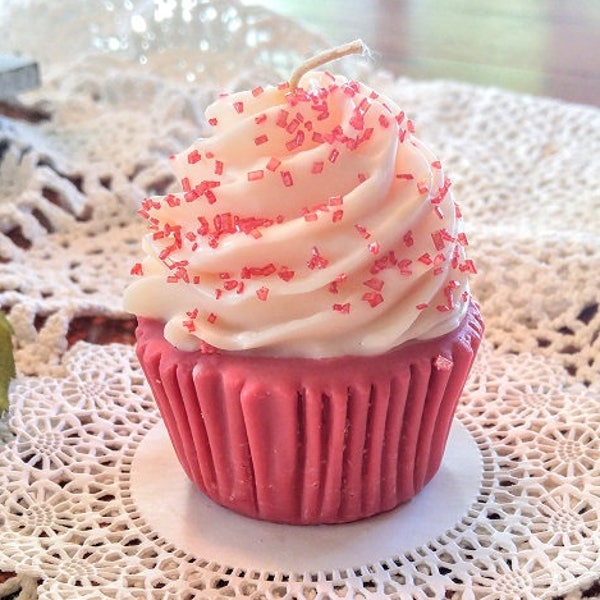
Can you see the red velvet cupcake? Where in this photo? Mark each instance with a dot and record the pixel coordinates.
(305, 322)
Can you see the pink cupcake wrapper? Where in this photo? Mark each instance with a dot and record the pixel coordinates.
(307, 441)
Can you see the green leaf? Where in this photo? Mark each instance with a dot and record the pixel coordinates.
(7, 361)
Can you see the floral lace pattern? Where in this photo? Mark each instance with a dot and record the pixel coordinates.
(68, 515)
(69, 188)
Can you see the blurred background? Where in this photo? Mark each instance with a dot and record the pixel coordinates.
(543, 47)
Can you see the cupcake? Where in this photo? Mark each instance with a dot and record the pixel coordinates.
(304, 315)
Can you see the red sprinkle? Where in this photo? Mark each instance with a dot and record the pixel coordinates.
(422, 306)
(256, 175)
(292, 125)
(362, 231)
(446, 235)
(295, 142)
(384, 262)
(373, 298)
(425, 259)
(204, 227)
(285, 273)
(333, 286)
(374, 248)
(224, 223)
(282, 118)
(213, 121)
(317, 261)
(455, 257)
(374, 283)
(468, 266)
(261, 139)
(342, 308)
(384, 121)
(407, 176)
(137, 269)
(210, 196)
(436, 164)
(211, 318)
(317, 167)
(273, 164)
(191, 195)
(218, 167)
(189, 325)
(262, 293)
(357, 121)
(257, 91)
(363, 106)
(408, 239)
(404, 266)
(286, 176)
(239, 107)
(333, 156)
(438, 240)
(260, 118)
(193, 157)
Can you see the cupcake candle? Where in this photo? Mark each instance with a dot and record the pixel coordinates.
(305, 319)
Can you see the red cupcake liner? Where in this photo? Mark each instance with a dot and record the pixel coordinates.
(310, 441)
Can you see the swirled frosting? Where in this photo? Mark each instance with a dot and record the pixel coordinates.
(311, 223)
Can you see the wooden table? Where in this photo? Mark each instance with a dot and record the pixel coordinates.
(541, 47)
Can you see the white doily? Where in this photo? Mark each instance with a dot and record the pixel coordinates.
(69, 516)
(120, 100)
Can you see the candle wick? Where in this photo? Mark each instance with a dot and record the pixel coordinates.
(355, 47)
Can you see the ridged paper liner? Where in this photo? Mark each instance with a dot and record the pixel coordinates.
(309, 441)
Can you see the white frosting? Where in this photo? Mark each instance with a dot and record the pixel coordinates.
(312, 223)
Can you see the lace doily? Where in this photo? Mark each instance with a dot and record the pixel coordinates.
(120, 96)
(68, 515)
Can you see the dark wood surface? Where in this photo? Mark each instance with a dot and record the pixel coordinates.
(542, 47)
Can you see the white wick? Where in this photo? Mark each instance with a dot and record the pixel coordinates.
(355, 47)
